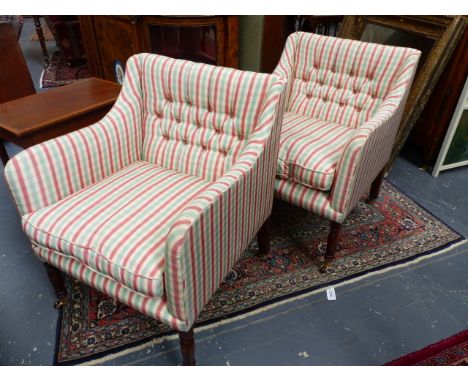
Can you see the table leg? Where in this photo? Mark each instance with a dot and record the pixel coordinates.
(3, 153)
(40, 35)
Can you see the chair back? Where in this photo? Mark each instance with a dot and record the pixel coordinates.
(196, 117)
(340, 80)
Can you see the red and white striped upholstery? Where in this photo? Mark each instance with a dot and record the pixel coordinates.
(310, 150)
(355, 90)
(153, 205)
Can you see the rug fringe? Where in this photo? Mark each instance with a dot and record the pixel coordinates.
(205, 328)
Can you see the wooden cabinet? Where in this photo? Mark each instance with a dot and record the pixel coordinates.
(430, 129)
(209, 39)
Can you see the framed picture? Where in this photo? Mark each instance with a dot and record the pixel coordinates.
(454, 151)
(435, 36)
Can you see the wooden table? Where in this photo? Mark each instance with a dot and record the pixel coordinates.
(39, 117)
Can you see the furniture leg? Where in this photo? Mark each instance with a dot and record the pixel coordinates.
(55, 277)
(335, 229)
(187, 348)
(3, 153)
(375, 187)
(40, 36)
(264, 237)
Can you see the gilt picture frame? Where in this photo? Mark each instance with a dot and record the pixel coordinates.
(436, 36)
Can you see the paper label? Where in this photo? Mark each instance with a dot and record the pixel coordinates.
(331, 295)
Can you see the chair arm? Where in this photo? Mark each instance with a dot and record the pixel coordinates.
(50, 171)
(369, 149)
(215, 228)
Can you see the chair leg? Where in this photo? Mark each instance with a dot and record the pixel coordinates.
(264, 237)
(187, 348)
(335, 229)
(3, 153)
(55, 277)
(375, 187)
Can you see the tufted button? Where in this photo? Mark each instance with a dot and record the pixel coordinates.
(341, 104)
(210, 109)
(241, 136)
(325, 99)
(158, 115)
(224, 152)
(218, 131)
(338, 86)
(166, 137)
(189, 103)
(321, 83)
(178, 119)
(316, 66)
(354, 91)
(232, 115)
(358, 109)
(203, 147)
(169, 99)
(184, 141)
(304, 79)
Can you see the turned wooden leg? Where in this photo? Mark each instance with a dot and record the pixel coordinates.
(40, 36)
(55, 277)
(3, 153)
(187, 348)
(335, 229)
(264, 237)
(375, 187)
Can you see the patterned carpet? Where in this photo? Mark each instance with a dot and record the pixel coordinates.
(452, 351)
(390, 231)
(59, 73)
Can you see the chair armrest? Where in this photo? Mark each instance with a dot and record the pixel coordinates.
(215, 228)
(369, 149)
(50, 171)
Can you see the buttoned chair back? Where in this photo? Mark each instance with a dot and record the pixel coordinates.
(340, 80)
(197, 118)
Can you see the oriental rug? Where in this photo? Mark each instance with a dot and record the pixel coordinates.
(59, 73)
(389, 232)
(452, 351)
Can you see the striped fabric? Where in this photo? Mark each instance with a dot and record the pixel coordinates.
(194, 128)
(339, 80)
(310, 150)
(355, 84)
(155, 307)
(118, 226)
(152, 221)
(47, 173)
(311, 199)
(215, 228)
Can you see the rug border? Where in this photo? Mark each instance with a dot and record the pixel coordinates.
(271, 303)
(412, 359)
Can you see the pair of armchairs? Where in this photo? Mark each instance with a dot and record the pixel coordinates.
(155, 203)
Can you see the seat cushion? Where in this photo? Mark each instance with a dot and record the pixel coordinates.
(118, 226)
(310, 150)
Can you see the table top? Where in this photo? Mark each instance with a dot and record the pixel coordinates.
(38, 111)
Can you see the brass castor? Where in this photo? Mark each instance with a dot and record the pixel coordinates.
(325, 265)
(61, 302)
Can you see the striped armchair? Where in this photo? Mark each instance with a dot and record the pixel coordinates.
(154, 204)
(344, 105)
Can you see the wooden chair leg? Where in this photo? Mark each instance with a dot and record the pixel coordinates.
(55, 277)
(264, 237)
(3, 153)
(332, 240)
(375, 187)
(187, 348)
